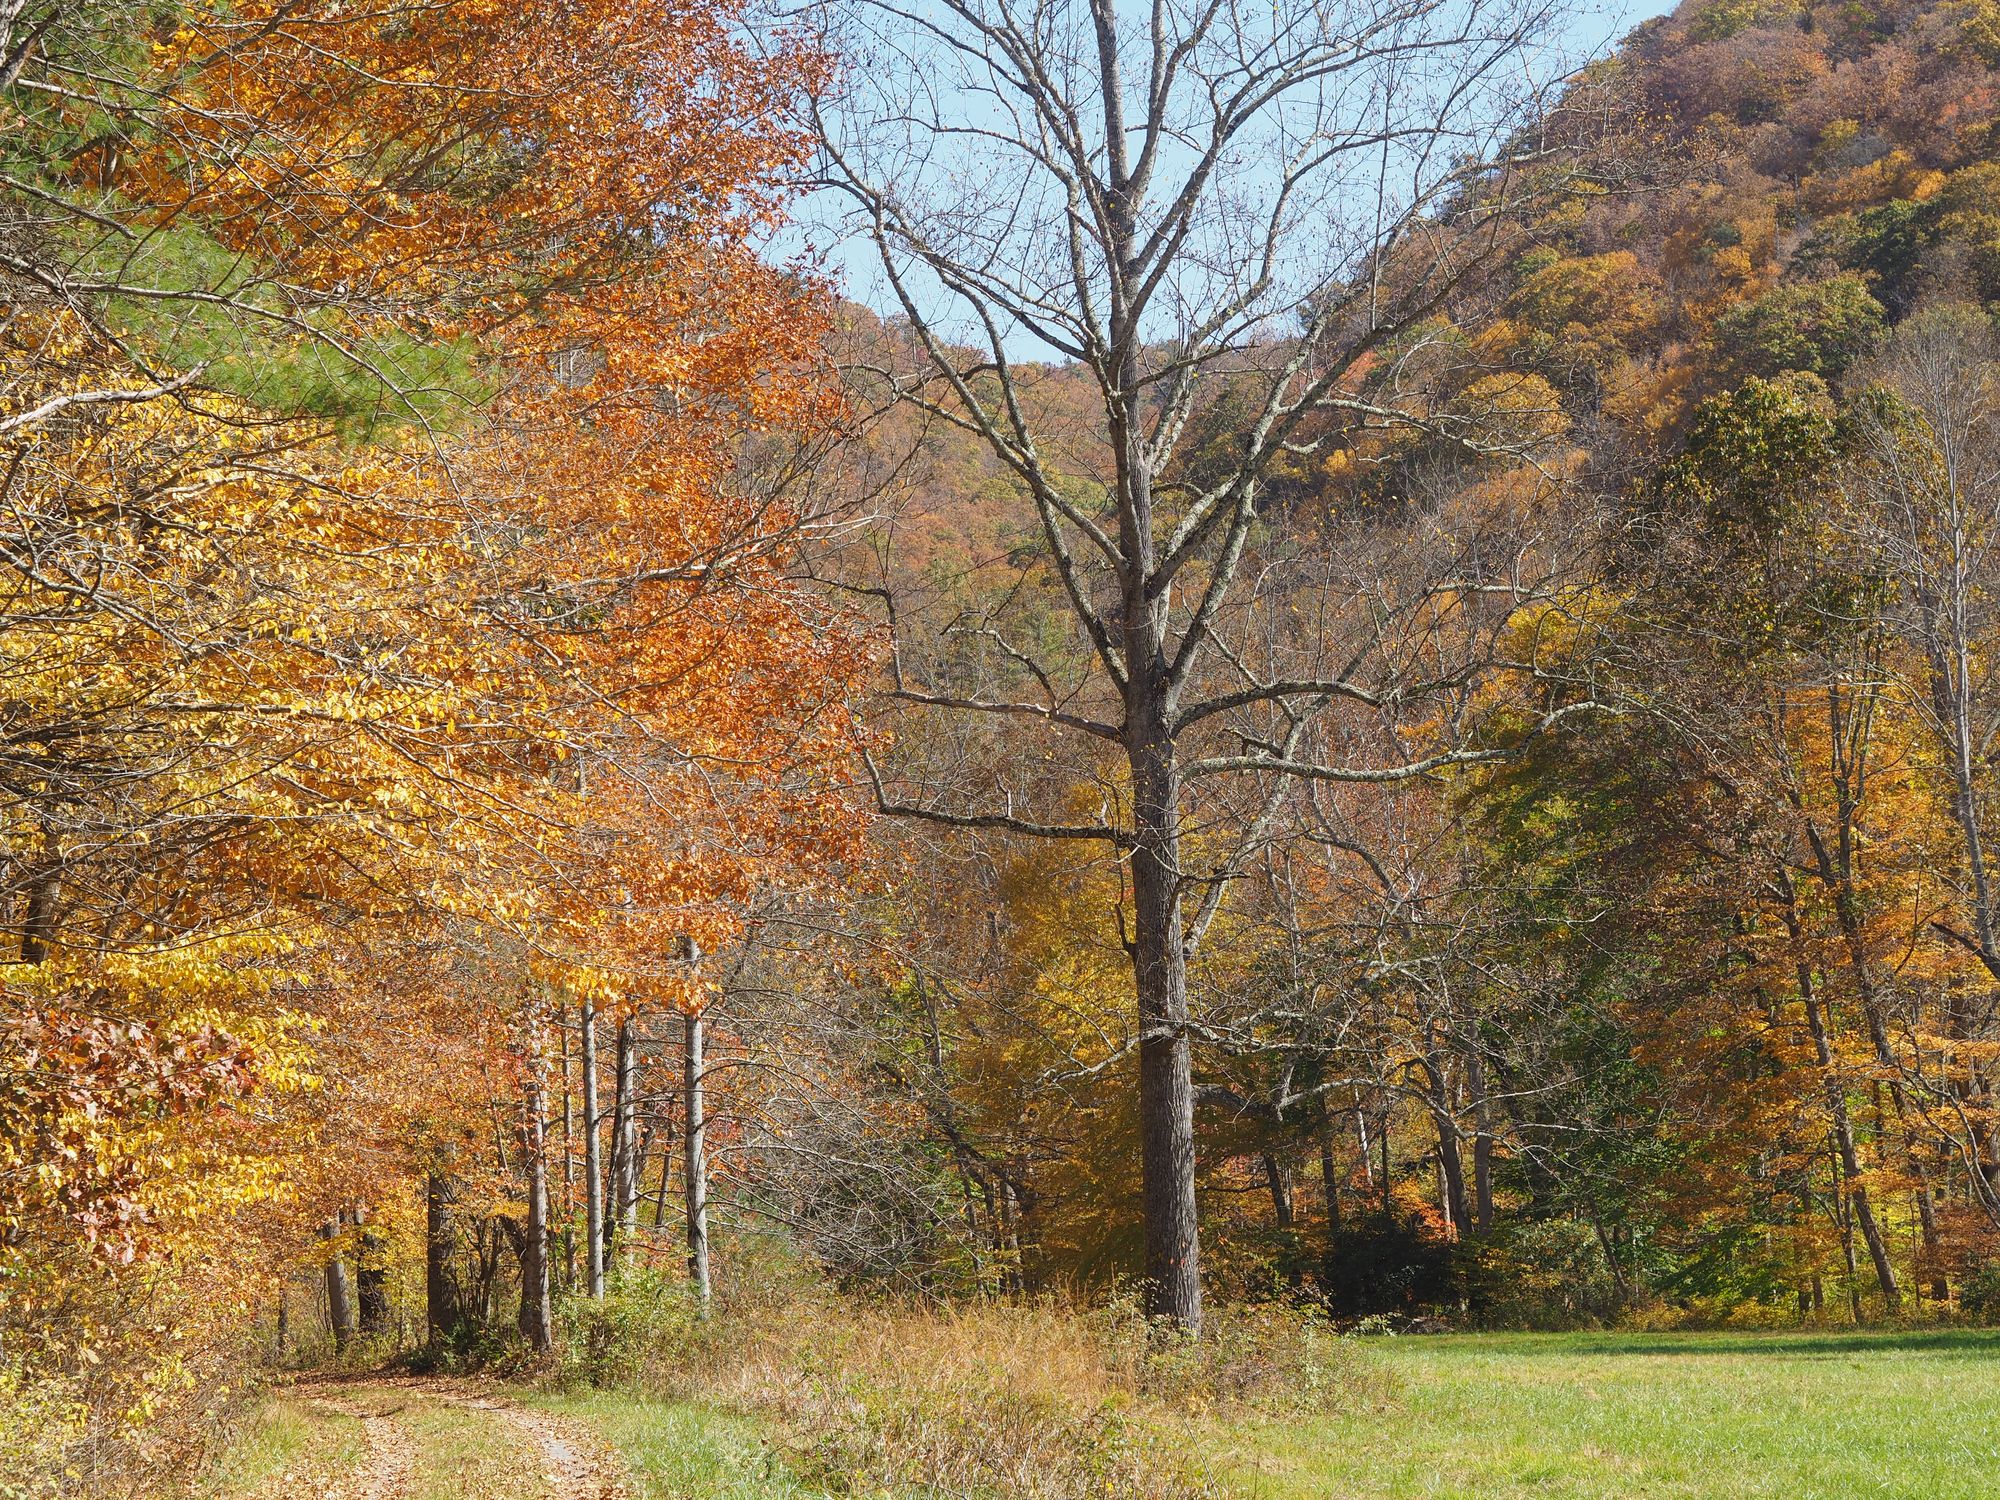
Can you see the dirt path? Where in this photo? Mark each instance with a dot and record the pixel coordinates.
(575, 1465)
(410, 1455)
(391, 1457)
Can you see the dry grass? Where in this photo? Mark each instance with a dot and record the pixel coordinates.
(1041, 1401)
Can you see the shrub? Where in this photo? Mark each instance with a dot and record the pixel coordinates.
(647, 1331)
(1392, 1264)
(1979, 1291)
(41, 1422)
(1550, 1274)
(1820, 327)
(1267, 1357)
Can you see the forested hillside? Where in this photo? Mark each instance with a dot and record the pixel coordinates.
(1684, 998)
(1368, 701)
(1687, 999)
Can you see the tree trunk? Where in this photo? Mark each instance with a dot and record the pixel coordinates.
(623, 1218)
(1451, 1168)
(1388, 1196)
(593, 1159)
(1933, 1250)
(443, 1301)
(1279, 1181)
(537, 1316)
(39, 918)
(1166, 1071)
(695, 1140)
(1482, 1146)
(339, 1291)
(371, 1277)
(666, 1178)
(567, 1214)
(1850, 1161)
(1862, 1211)
(1329, 1172)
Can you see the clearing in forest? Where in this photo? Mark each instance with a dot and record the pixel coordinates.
(1821, 1416)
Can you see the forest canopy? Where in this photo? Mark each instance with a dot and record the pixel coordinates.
(1369, 688)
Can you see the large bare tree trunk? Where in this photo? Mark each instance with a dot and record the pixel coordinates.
(1150, 213)
(443, 1300)
(1166, 1068)
(371, 1277)
(339, 1290)
(1482, 1146)
(695, 1141)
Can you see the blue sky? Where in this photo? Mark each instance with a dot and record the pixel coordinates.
(1596, 28)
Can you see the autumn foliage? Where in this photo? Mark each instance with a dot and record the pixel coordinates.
(398, 637)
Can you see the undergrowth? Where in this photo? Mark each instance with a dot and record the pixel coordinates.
(1041, 1400)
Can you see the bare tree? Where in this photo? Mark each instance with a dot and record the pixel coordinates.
(1214, 212)
(1926, 506)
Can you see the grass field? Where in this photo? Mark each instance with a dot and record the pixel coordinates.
(1459, 1417)
(1561, 1417)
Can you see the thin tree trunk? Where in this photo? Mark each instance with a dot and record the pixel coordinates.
(695, 1140)
(1845, 1212)
(1863, 1212)
(1329, 1172)
(1388, 1198)
(1279, 1182)
(1605, 1243)
(593, 1162)
(666, 1177)
(567, 1216)
(1933, 1251)
(1010, 1205)
(1850, 1161)
(537, 1315)
(625, 1138)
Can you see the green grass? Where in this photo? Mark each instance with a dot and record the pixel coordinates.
(1688, 1416)
(288, 1447)
(684, 1450)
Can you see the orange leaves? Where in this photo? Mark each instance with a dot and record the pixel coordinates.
(330, 757)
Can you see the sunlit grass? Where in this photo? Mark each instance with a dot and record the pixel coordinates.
(685, 1450)
(288, 1447)
(1805, 1417)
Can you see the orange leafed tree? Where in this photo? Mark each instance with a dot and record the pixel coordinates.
(395, 415)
